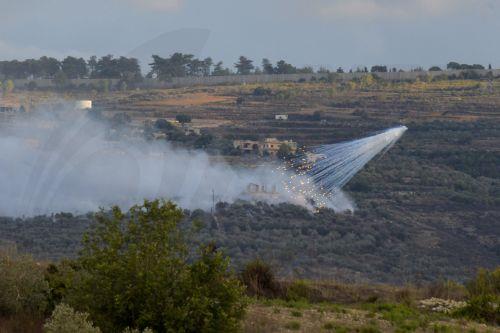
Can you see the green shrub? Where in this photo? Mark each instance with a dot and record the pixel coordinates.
(405, 318)
(23, 289)
(259, 279)
(483, 297)
(299, 290)
(135, 271)
(65, 320)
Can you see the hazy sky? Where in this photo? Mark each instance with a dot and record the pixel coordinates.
(304, 32)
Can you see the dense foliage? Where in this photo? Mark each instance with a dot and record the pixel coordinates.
(106, 67)
(133, 271)
(23, 289)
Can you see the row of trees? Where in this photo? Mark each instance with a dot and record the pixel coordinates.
(177, 65)
(181, 65)
(106, 67)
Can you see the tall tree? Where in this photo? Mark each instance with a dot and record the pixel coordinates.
(178, 65)
(244, 66)
(207, 66)
(49, 67)
(219, 70)
(282, 67)
(74, 68)
(267, 67)
(92, 66)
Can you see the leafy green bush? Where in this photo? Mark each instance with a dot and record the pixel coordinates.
(23, 289)
(484, 297)
(404, 317)
(135, 271)
(298, 290)
(65, 320)
(259, 279)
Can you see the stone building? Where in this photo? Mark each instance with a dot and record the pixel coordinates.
(269, 146)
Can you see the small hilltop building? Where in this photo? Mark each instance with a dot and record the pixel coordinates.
(268, 146)
(83, 105)
(260, 192)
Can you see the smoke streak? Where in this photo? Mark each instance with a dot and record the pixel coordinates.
(325, 170)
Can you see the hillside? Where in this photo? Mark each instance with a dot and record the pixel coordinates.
(428, 209)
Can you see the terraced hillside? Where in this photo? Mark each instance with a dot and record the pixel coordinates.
(427, 209)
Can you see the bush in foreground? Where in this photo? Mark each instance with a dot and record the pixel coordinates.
(484, 297)
(259, 279)
(135, 271)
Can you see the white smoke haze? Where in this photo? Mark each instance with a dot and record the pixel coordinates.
(64, 161)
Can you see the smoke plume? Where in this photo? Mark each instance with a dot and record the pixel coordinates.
(63, 161)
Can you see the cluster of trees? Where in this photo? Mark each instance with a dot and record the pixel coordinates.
(106, 67)
(182, 65)
(456, 66)
(136, 273)
(282, 67)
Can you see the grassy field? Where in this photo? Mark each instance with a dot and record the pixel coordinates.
(364, 318)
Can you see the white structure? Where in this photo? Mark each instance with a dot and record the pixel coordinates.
(281, 117)
(83, 104)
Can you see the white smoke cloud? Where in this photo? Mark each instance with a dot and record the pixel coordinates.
(62, 161)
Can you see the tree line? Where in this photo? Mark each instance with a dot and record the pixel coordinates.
(177, 65)
(73, 68)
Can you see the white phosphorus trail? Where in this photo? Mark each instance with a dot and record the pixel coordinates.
(325, 170)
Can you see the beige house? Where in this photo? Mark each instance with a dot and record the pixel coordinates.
(269, 146)
(261, 192)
